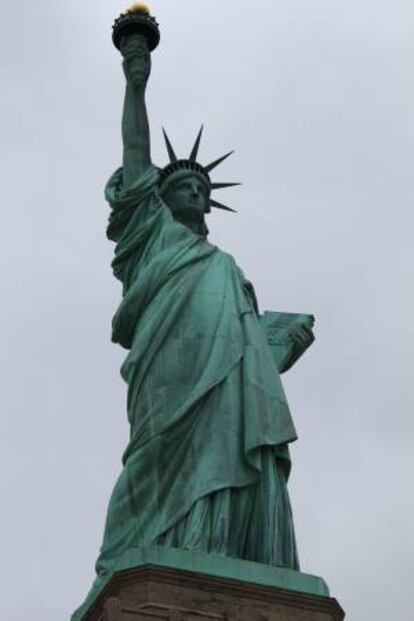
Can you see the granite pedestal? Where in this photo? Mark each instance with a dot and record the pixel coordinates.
(173, 585)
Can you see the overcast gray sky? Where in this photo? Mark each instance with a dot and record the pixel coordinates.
(317, 98)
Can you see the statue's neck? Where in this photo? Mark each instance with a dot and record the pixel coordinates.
(199, 228)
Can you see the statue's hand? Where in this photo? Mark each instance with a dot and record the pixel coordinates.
(137, 59)
(302, 335)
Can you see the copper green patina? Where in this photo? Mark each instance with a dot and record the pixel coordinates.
(207, 464)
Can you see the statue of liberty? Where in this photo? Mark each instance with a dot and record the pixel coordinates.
(207, 463)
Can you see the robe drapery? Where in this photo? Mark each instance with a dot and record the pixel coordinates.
(207, 462)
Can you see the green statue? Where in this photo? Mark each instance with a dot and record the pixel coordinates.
(207, 464)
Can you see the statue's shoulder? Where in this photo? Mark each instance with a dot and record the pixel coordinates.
(145, 185)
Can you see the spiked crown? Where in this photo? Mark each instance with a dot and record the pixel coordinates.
(179, 165)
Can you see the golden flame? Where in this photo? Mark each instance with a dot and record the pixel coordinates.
(139, 7)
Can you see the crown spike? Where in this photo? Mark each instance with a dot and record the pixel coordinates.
(216, 163)
(219, 186)
(194, 152)
(171, 154)
(221, 206)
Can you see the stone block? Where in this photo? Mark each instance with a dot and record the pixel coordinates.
(151, 592)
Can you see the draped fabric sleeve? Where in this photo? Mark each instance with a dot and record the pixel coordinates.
(137, 215)
(124, 202)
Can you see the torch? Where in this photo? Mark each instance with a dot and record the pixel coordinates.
(137, 19)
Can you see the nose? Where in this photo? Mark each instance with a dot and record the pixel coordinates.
(194, 190)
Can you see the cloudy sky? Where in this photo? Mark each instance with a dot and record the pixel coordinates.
(317, 98)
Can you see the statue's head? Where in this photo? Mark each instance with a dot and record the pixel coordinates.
(186, 187)
(187, 194)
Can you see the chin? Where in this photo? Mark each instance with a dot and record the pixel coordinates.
(189, 213)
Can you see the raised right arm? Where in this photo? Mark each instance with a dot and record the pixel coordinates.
(135, 127)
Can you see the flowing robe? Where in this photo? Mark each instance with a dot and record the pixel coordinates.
(207, 462)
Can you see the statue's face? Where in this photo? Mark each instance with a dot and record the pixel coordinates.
(188, 197)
